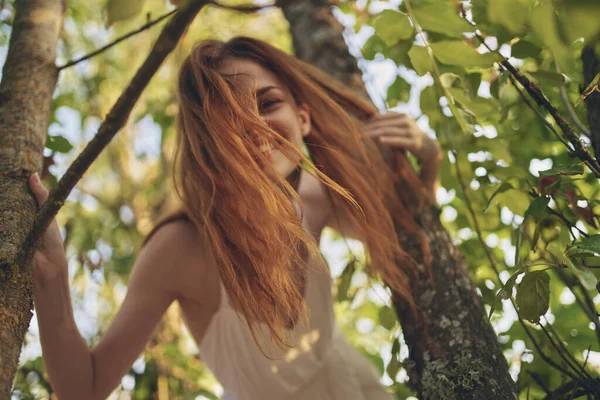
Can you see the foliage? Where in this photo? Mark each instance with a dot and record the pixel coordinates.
(510, 185)
(534, 203)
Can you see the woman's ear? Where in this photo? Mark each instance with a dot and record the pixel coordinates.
(304, 119)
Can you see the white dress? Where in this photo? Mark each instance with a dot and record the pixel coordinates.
(321, 365)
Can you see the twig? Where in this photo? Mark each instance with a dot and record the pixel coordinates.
(562, 350)
(540, 382)
(116, 118)
(474, 218)
(564, 97)
(118, 40)
(243, 8)
(567, 222)
(564, 126)
(588, 307)
(539, 114)
(541, 99)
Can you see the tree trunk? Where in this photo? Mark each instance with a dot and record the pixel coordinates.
(28, 81)
(454, 352)
(591, 67)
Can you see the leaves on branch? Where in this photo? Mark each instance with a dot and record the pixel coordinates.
(533, 295)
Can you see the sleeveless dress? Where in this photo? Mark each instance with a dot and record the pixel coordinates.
(321, 365)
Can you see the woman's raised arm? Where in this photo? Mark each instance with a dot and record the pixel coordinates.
(75, 371)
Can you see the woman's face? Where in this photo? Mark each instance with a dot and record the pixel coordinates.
(277, 109)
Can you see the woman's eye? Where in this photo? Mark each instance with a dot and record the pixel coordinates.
(269, 103)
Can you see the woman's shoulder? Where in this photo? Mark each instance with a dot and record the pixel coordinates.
(183, 255)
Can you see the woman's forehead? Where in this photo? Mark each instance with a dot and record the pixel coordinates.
(249, 74)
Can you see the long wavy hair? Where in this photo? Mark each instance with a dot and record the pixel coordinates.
(231, 193)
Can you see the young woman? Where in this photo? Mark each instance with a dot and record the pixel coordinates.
(241, 257)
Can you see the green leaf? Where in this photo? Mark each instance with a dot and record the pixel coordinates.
(533, 295)
(505, 292)
(117, 10)
(553, 78)
(580, 20)
(373, 46)
(387, 317)
(454, 52)
(58, 144)
(398, 92)
(590, 246)
(516, 201)
(345, 280)
(511, 14)
(592, 87)
(396, 347)
(393, 367)
(584, 275)
(420, 60)
(587, 278)
(576, 169)
(537, 208)
(441, 17)
(393, 26)
(524, 49)
(501, 189)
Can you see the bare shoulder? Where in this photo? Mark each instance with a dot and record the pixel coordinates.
(181, 261)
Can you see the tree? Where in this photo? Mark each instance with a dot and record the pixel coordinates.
(453, 348)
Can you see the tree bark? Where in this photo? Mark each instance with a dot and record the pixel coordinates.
(591, 67)
(454, 352)
(28, 81)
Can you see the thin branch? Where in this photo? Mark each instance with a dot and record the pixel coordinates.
(563, 352)
(588, 306)
(539, 114)
(243, 8)
(540, 98)
(540, 382)
(118, 40)
(566, 221)
(474, 217)
(564, 97)
(116, 118)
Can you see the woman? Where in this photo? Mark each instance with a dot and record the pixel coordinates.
(242, 256)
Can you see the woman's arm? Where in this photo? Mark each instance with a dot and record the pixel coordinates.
(75, 371)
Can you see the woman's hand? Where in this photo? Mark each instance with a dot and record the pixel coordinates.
(50, 260)
(400, 131)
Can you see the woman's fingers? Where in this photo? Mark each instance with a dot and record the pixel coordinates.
(395, 120)
(38, 189)
(388, 130)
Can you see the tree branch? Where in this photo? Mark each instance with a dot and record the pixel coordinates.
(118, 40)
(569, 107)
(114, 121)
(538, 113)
(541, 99)
(591, 67)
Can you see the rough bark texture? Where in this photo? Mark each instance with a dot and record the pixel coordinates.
(591, 67)
(454, 352)
(28, 81)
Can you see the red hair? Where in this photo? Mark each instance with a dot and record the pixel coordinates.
(258, 243)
